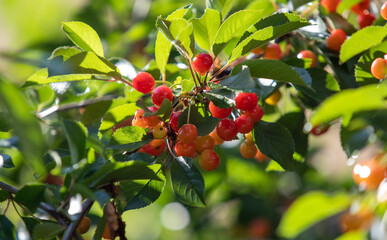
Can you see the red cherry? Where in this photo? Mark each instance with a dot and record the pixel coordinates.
(336, 39)
(255, 114)
(143, 82)
(226, 129)
(365, 19)
(248, 149)
(309, 55)
(160, 93)
(202, 63)
(219, 112)
(273, 51)
(246, 101)
(379, 68)
(204, 142)
(383, 11)
(244, 124)
(154, 148)
(330, 5)
(369, 173)
(174, 121)
(187, 133)
(184, 149)
(216, 137)
(318, 130)
(209, 160)
(361, 6)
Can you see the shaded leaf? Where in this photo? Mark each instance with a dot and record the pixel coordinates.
(203, 121)
(65, 52)
(127, 135)
(6, 161)
(76, 135)
(30, 196)
(47, 230)
(240, 81)
(7, 229)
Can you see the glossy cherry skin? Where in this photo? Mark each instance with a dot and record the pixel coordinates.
(309, 55)
(336, 39)
(248, 149)
(144, 82)
(226, 129)
(187, 133)
(369, 173)
(361, 6)
(383, 11)
(202, 63)
(84, 225)
(274, 98)
(218, 140)
(160, 93)
(273, 51)
(219, 112)
(365, 19)
(204, 142)
(174, 121)
(244, 124)
(209, 160)
(255, 114)
(246, 101)
(185, 149)
(330, 5)
(379, 68)
(154, 148)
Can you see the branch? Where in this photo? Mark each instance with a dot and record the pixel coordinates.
(74, 225)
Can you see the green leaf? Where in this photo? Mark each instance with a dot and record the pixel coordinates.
(31, 196)
(234, 27)
(271, 69)
(83, 36)
(219, 100)
(141, 193)
(353, 235)
(76, 135)
(127, 135)
(310, 209)
(5, 124)
(41, 77)
(268, 28)
(65, 52)
(362, 70)
(265, 5)
(47, 231)
(4, 195)
(276, 142)
(350, 101)
(100, 227)
(117, 115)
(95, 112)
(222, 6)
(205, 28)
(6, 161)
(187, 182)
(299, 3)
(240, 81)
(120, 171)
(203, 121)
(7, 229)
(187, 85)
(361, 41)
(345, 4)
(354, 137)
(30, 224)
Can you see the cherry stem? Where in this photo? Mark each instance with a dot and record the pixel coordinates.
(205, 79)
(170, 149)
(189, 109)
(125, 81)
(220, 71)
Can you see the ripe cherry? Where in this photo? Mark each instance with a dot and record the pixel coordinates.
(273, 51)
(259, 228)
(84, 225)
(54, 179)
(379, 68)
(360, 220)
(248, 149)
(154, 148)
(159, 132)
(219, 112)
(307, 54)
(138, 119)
(274, 98)
(106, 233)
(258, 51)
(361, 6)
(187, 133)
(369, 173)
(202, 63)
(184, 149)
(209, 160)
(336, 39)
(330, 5)
(143, 82)
(383, 11)
(226, 129)
(246, 101)
(216, 137)
(255, 114)
(152, 120)
(260, 157)
(244, 124)
(160, 93)
(174, 121)
(204, 142)
(319, 129)
(365, 19)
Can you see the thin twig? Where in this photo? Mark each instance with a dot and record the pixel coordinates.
(220, 71)
(71, 230)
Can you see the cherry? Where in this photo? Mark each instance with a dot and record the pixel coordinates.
(216, 137)
(138, 119)
(202, 63)
(361, 6)
(152, 120)
(219, 112)
(260, 157)
(204, 142)
(369, 173)
(273, 51)
(53, 179)
(309, 55)
(258, 51)
(356, 221)
(336, 39)
(209, 160)
(379, 68)
(154, 148)
(244, 124)
(187, 133)
(249, 137)
(248, 149)
(160, 93)
(159, 132)
(84, 225)
(273, 98)
(319, 129)
(106, 233)
(226, 129)
(184, 149)
(365, 19)
(383, 11)
(143, 82)
(259, 228)
(246, 101)
(255, 114)
(330, 5)
(174, 121)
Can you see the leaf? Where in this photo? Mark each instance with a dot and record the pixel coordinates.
(76, 135)
(31, 196)
(219, 100)
(5, 124)
(127, 135)
(65, 52)
(120, 171)
(4, 195)
(271, 69)
(240, 81)
(33, 80)
(30, 224)
(234, 26)
(205, 28)
(354, 138)
(187, 182)
(100, 226)
(83, 36)
(350, 101)
(361, 41)
(47, 230)
(299, 3)
(268, 29)
(7, 229)
(310, 209)
(6, 161)
(95, 112)
(276, 142)
(222, 6)
(204, 122)
(353, 235)
(139, 194)
(187, 85)
(345, 4)
(117, 115)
